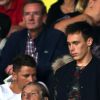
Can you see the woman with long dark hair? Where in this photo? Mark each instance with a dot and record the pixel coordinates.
(61, 9)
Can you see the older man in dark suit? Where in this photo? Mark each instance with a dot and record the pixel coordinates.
(42, 43)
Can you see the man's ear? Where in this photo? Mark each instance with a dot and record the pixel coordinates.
(90, 41)
(14, 76)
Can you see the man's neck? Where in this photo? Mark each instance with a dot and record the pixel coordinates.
(34, 33)
(15, 89)
(82, 63)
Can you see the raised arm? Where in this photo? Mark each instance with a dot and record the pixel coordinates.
(90, 15)
(65, 22)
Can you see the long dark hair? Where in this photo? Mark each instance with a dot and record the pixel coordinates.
(62, 1)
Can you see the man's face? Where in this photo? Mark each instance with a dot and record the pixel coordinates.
(4, 2)
(24, 76)
(31, 92)
(79, 47)
(33, 16)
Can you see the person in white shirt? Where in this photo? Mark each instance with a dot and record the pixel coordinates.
(24, 72)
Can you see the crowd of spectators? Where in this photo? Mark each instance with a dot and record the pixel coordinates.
(27, 28)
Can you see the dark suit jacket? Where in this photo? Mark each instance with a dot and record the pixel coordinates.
(50, 44)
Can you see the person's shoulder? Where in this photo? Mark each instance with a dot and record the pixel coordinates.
(49, 33)
(96, 63)
(4, 86)
(16, 37)
(65, 70)
(53, 31)
(96, 60)
(18, 34)
(68, 66)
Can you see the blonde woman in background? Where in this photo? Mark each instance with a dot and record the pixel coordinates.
(90, 14)
(60, 10)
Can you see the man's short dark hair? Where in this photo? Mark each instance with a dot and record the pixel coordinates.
(83, 27)
(23, 60)
(44, 11)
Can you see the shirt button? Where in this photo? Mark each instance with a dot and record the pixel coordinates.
(81, 87)
(45, 51)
